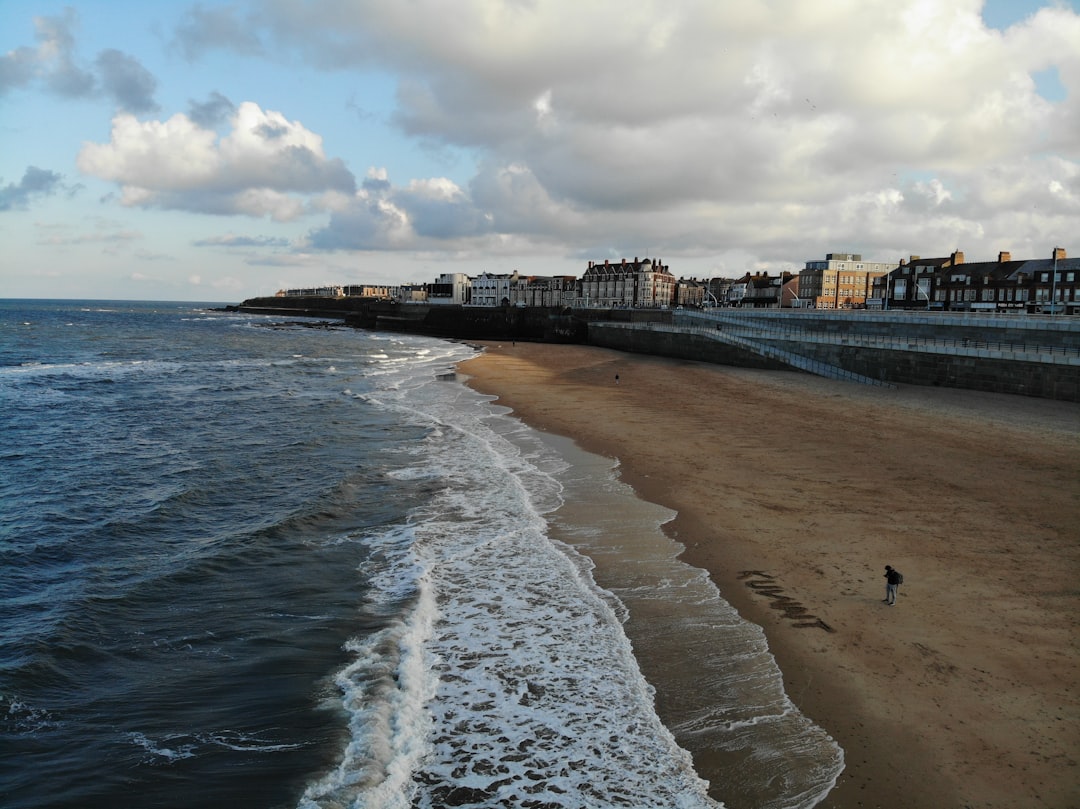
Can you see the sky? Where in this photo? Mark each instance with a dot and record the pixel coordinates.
(217, 151)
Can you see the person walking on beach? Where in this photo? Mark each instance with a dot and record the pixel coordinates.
(892, 581)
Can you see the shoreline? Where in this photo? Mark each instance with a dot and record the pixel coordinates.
(793, 492)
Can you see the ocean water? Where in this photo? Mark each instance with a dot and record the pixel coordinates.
(249, 561)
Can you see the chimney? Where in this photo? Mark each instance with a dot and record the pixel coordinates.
(957, 257)
(1059, 254)
(1004, 256)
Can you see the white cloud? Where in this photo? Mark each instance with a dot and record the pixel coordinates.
(265, 166)
(703, 127)
(763, 132)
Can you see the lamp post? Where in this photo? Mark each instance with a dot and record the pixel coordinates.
(925, 294)
(1053, 286)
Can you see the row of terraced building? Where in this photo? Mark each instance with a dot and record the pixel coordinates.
(841, 281)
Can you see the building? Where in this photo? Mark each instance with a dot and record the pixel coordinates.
(841, 281)
(690, 292)
(736, 291)
(449, 288)
(492, 289)
(638, 283)
(789, 292)
(361, 291)
(312, 292)
(1006, 285)
(409, 293)
(911, 285)
(546, 291)
(764, 291)
(718, 291)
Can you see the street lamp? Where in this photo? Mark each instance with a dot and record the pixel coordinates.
(925, 294)
(1053, 286)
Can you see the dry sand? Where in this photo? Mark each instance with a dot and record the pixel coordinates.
(962, 695)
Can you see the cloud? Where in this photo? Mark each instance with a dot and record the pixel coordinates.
(213, 112)
(111, 236)
(205, 29)
(35, 183)
(382, 216)
(681, 126)
(232, 240)
(265, 166)
(125, 80)
(52, 62)
(54, 66)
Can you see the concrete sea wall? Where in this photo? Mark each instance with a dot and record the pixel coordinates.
(1029, 355)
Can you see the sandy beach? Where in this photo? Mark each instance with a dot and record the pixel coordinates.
(794, 492)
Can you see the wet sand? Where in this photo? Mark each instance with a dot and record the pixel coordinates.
(794, 492)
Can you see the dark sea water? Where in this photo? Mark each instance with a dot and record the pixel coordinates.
(253, 562)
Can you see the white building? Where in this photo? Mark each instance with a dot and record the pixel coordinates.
(492, 289)
(449, 288)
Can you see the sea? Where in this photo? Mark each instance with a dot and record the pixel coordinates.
(267, 561)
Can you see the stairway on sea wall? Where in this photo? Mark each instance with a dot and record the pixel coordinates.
(1034, 356)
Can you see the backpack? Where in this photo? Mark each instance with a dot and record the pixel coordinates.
(899, 577)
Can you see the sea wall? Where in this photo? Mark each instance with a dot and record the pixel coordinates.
(1030, 355)
(972, 371)
(1034, 356)
(452, 321)
(667, 343)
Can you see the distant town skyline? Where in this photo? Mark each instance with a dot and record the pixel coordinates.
(219, 151)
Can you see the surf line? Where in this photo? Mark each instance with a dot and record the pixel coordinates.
(764, 584)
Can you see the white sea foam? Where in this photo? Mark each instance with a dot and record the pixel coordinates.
(511, 680)
(166, 750)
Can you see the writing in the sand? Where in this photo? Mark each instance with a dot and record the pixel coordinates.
(765, 584)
